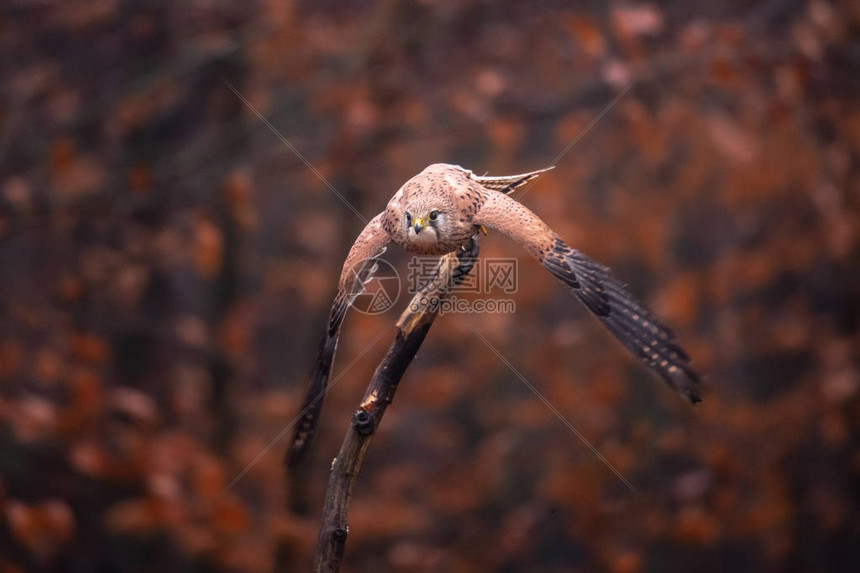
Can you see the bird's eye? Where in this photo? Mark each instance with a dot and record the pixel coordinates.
(434, 215)
(408, 218)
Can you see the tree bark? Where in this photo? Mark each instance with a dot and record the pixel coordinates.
(412, 328)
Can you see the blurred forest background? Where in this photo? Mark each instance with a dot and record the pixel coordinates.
(167, 264)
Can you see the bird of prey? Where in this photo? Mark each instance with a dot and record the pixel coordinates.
(435, 213)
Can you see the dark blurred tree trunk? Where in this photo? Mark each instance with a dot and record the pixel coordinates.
(228, 285)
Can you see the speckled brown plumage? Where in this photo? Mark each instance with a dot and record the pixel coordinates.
(438, 210)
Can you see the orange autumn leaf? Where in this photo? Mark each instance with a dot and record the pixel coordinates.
(42, 528)
(208, 247)
(90, 347)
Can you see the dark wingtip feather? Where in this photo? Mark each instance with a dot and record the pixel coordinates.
(650, 341)
(305, 427)
(626, 318)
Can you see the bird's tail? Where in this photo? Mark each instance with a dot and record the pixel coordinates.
(508, 183)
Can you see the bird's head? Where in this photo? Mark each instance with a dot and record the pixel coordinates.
(425, 222)
(426, 208)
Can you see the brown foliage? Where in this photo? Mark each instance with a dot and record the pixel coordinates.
(166, 263)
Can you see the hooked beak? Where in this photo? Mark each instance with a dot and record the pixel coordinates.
(419, 224)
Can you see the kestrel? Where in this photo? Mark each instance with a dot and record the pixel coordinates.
(436, 212)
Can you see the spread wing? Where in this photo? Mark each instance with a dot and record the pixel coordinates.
(358, 269)
(625, 317)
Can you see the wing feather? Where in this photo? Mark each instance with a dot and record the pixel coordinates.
(358, 269)
(622, 314)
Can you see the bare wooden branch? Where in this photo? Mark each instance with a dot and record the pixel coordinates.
(412, 328)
